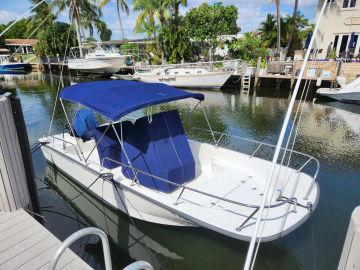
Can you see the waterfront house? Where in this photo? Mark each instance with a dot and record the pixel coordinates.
(339, 29)
(26, 45)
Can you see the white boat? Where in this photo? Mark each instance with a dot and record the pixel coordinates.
(99, 60)
(191, 77)
(8, 67)
(347, 93)
(125, 77)
(150, 170)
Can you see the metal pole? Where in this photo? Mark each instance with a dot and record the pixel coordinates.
(249, 257)
(22, 16)
(77, 235)
(72, 130)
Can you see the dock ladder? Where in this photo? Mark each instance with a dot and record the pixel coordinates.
(246, 82)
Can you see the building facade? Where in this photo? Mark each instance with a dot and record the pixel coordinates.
(24, 46)
(339, 29)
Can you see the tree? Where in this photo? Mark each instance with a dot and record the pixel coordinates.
(206, 23)
(41, 14)
(120, 4)
(18, 30)
(84, 13)
(293, 37)
(293, 26)
(278, 25)
(268, 30)
(174, 41)
(175, 5)
(2, 38)
(249, 48)
(145, 22)
(53, 39)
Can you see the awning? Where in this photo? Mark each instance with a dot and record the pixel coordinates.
(115, 99)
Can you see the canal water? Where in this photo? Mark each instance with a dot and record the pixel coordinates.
(329, 131)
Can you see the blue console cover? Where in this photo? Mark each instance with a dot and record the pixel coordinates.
(159, 147)
(108, 145)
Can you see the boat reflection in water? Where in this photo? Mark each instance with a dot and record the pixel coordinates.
(163, 246)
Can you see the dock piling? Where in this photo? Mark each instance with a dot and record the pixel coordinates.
(17, 186)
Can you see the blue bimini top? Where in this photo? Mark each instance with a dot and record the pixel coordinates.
(115, 99)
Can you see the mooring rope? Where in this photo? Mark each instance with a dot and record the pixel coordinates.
(61, 70)
(131, 219)
(100, 176)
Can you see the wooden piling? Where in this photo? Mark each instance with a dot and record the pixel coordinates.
(257, 72)
(14, 188)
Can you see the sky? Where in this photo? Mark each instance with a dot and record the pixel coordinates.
(251, 13)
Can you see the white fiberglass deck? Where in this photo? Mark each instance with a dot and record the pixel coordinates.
(223, 197)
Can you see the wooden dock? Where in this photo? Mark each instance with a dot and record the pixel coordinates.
(26, 244)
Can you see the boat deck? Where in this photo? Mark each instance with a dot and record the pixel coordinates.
(26, 244)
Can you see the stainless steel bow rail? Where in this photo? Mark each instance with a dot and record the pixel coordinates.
(281, 200)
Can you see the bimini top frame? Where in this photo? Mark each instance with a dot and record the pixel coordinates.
(115, 99)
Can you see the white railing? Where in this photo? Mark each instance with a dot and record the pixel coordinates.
(236, 65)
(139, 265)
(77, 235)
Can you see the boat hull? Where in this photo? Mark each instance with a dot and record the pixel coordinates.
(213, 80)
(100, 65)
(145, 210)
(13, 68)
(342, 96)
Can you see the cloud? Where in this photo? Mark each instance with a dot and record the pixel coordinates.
(7, 15)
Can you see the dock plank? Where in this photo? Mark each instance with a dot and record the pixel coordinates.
(26, 244)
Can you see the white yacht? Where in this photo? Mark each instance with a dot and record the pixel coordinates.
(347, 93)
(191, 77)
(149, 169)
(97, 60)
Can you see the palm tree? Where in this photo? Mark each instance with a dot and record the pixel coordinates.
(145, 22)
(278, 23)
(268, 30)
(84, 13)
(176, 5)
(293, 26)
(120, 4)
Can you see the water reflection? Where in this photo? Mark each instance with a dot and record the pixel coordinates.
(330, 132)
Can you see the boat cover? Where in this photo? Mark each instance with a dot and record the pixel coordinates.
(115, 99)
(84, 124)
(159, 147)
(108, 145)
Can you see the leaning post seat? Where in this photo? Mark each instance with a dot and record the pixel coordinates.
(159, 147)
(84, 124)
(108, 145)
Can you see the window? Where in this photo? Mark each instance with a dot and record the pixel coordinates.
(349, 3)
(343, 45)
(336, 40)
(353, 41)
